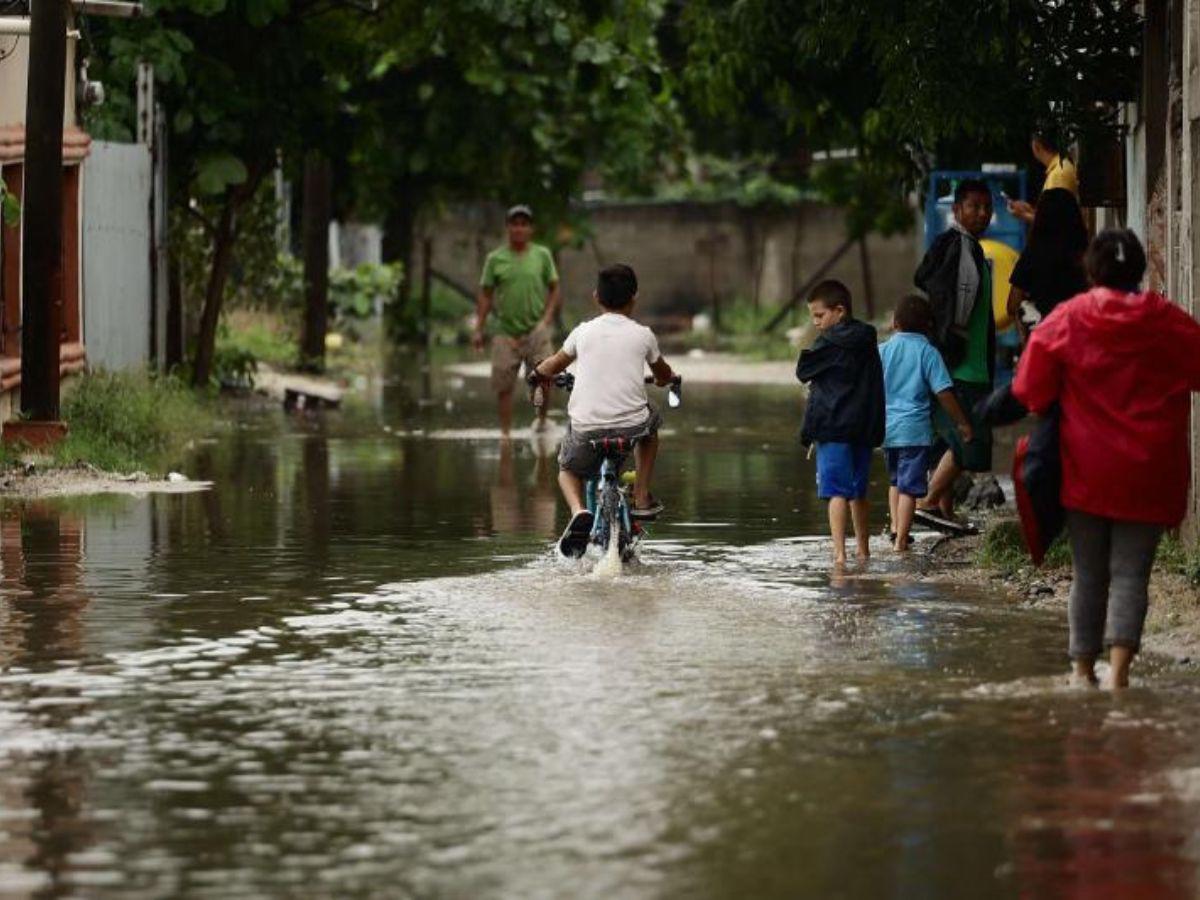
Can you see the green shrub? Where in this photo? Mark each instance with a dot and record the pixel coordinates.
(1178, 558)
(121, 421)
(1003, 549)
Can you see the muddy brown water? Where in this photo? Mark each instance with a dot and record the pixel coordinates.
(354, 670)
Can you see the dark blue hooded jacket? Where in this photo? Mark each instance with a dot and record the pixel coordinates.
(845, 378)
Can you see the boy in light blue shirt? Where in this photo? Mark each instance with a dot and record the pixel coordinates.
(913, 374)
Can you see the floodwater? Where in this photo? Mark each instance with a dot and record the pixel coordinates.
(354, 670)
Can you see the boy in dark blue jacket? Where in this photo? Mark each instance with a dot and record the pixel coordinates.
(845, 412)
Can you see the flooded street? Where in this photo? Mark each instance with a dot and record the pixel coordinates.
(354, 669)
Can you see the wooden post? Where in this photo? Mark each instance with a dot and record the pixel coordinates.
(427, 290)
(868, 282)
(41, 307)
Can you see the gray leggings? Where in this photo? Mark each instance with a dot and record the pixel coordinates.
(1112, 561)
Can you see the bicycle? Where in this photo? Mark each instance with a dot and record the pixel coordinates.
(607, 498)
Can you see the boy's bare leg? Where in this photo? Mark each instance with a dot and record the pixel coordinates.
(645, 452)
(860, 511)
(941, 486)
(504, 401)
(572, 490)
(906, 506)
(893, 509)
(839, 515)
(1119, 659)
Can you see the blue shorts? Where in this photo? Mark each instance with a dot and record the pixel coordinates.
(908, 469)
(842, 471)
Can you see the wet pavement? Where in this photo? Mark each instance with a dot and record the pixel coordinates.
(353, 669)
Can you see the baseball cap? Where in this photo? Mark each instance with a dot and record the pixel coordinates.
(519, 210)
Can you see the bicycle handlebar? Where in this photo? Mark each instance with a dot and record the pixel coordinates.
(566, 381)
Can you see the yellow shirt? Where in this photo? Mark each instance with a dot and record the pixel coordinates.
(1061, 174)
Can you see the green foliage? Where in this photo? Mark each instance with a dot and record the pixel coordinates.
(1003, 549)
(740, 331)
(10, 208)
(353, 292)
(128, 421)
(261, 277)
(504, 99)
(900, 83)
(1178, 558)
(746, 182)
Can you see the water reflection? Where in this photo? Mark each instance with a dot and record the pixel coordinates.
(352, 669)
(43, 796)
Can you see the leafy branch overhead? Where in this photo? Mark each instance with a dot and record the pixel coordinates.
(902, 84)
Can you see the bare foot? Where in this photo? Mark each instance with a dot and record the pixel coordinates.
(839, 561)
(1083, 673)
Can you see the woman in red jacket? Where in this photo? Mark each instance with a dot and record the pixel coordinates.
(1121, 364)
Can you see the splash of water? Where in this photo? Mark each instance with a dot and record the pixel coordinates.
(609, 565)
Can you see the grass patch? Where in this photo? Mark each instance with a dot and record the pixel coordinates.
(741, 331)
(263, 336)
(1178, 558)
(125, 421)
(1003, 549)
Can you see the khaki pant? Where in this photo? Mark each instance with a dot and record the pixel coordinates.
(508, 353)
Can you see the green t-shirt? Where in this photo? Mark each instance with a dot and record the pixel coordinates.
(521, 281)
(974, 368)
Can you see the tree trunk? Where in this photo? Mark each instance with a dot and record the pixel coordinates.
(174, 312)
(318, 203)
(398, 243)
(214, 292)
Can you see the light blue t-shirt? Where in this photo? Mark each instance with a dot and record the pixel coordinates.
(913, 371)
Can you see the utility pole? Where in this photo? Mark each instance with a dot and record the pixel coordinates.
(41, 304)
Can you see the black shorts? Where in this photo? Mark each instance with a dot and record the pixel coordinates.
(578, 456)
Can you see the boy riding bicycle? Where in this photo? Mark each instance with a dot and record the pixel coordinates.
(610, 353)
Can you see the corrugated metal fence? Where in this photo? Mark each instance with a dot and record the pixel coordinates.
(117, 247)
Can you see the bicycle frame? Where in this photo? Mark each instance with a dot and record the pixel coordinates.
(597, 497)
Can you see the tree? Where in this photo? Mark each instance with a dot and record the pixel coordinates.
(243, 80)
(475, 99)
(902, 83)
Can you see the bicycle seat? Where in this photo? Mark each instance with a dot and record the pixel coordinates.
(616, 447)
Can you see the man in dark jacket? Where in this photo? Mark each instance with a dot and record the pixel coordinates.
(845, 412)
(958, 280)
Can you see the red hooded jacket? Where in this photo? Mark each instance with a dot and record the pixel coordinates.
(1122, 367)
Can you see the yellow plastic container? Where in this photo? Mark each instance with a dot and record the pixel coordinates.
(1003, 259)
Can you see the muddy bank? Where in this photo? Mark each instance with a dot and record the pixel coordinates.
(1172, 625)
(31, 482)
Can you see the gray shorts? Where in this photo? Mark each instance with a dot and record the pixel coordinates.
(576, 455)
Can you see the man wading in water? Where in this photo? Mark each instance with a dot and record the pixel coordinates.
(520, 281)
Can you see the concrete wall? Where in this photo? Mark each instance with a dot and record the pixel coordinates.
(688, 254)
(14, 80)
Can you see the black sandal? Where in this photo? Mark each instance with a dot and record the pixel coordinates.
(574, 541)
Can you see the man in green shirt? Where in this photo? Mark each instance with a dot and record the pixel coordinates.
(520, 282)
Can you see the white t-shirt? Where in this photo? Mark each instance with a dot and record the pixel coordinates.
(611, 352)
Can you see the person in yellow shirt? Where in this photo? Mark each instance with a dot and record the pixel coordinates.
(1060, 173)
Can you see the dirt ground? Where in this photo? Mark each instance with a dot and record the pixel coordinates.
(1172, 625)
(34, 482)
